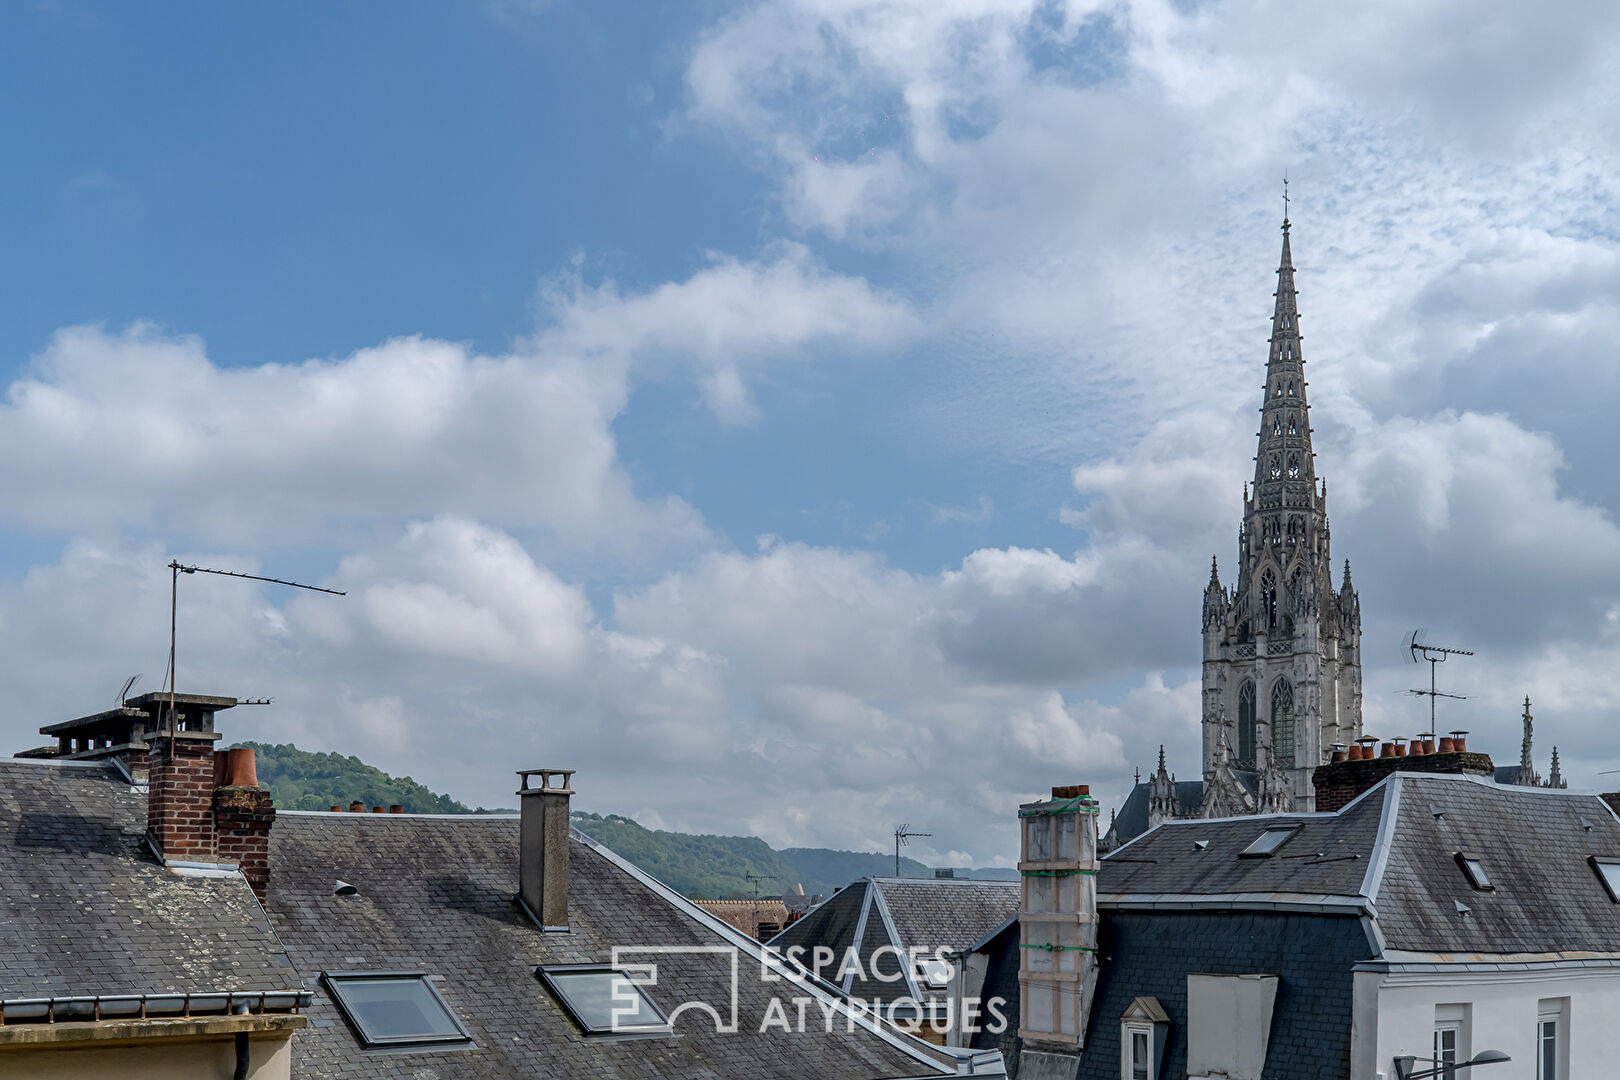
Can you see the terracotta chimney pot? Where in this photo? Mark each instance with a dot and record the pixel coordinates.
(1338, 756)
(337, 809)
(396, 808)
(1388, 750)
(376, 809)
(357, 807)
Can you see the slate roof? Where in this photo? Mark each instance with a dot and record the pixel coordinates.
(435, 894)
(86, 909)
(924, 913)
(1547, 898)
(1389, 853)
(1327, 855)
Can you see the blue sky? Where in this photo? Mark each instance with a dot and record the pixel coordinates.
(839, 401)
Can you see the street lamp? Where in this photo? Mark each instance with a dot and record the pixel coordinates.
(1403, 1065)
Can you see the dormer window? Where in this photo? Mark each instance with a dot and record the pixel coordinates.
(1474, 870)
(1268, 842)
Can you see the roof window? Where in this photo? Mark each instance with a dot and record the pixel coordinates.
(935, 971)
(1475, 870)
(1608, 872)
(603, 1001)
(394, 1008)
(1268, 842)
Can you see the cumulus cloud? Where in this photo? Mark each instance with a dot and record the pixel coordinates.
(144, 429)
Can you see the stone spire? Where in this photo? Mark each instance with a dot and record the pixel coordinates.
(1527, 762)
(1555, 779)
(1285, 429)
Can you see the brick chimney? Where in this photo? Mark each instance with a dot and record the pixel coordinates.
(1057, 919)
(1339, 783)
(543, 846)
(243, 816)
(206, 806)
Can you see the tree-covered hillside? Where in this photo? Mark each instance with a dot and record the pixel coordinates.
(300, 780)
(704, 867)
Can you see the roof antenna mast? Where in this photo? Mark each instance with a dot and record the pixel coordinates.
(1420, 650)
(175, 570)
(902, 838)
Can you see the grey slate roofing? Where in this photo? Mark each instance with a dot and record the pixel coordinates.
(925, 913)
(1131, 820)
(435, 894)
(1328, 855)
(1392, 854)
(86, 909)
(1547, 898)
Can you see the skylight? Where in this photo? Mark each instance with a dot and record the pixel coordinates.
(1475, 871)
(389, 1008)
(1608, 872)
(1268, 842)
(603, 1001)
(935, 972)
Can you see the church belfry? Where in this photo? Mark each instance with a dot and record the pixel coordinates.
(1282, 647)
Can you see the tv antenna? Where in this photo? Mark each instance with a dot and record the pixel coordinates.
(1421, 650)
(176, 568)
(902, 838)
(123, 695)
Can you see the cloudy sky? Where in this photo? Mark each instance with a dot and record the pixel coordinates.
(798, 416)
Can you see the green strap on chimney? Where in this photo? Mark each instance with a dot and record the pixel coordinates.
(1080, 804)
(1056, 873)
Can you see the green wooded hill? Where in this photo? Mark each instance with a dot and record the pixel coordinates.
(300, 780)
(700, 866)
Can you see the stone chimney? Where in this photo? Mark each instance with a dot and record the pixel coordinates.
(543, 846)
(1057, 918)
(1340, 783)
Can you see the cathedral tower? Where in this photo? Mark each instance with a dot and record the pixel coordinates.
(1282, 649)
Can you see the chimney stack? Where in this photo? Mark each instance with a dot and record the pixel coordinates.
(543, 851)
(1057, 918)
(206, 806)
(1339, 783)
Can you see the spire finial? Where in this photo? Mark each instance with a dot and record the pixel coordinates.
(1285, 200)
(1161, 757)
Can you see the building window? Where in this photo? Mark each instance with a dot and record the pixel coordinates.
(1268, 842)
(1474, 869)
(394, 1008)
(1268, 599)
(1282, 724)
(1451, 1039)
(1246, 714)
(1139, 1053)
(1608, 872)
(603, 1001)
(1144, 1028)
(1552, 1039)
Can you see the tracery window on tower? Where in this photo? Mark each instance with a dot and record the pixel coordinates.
(1268, 599)
(1276, 426)
(1275, 466)
(1293, 424)
(1290, 387)
(1282, 724)
(1246, 718)
(1293, 466)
